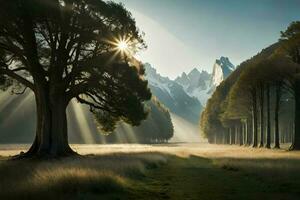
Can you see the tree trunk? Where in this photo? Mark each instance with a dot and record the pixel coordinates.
(262, 125)
(230, 136)
(276, 117)
(215, 138)
(268, 142)
(246, 137)
(235, 134)
(224, 141)
(242, 134)
(51, 138)
(249, 131)
(254, 118)
(296, 140)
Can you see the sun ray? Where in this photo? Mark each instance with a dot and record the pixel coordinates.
(130, 133)
(121, 45)
(26, 98)
(80, 117)
(5, 99)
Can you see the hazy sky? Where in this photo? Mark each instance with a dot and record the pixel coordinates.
(183, 34)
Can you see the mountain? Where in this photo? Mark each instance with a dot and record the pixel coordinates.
(193, 80)
(173, 95)
(201, 85)
(221, 70)
(196, 84)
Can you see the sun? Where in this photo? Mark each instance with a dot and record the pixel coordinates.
(122, 45)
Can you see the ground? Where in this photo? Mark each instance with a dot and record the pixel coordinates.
(173, 171)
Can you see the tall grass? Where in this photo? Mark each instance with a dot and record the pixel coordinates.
(89, 177)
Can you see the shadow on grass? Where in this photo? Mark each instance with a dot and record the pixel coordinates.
(224, 178)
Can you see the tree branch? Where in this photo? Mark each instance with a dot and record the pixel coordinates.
(17, 77)
(80, 100)
(19, 69)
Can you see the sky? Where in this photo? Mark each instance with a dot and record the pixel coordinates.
(184, 34)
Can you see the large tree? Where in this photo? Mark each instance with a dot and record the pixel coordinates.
(66, 49)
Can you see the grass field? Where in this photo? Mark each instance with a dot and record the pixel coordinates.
(174, 171)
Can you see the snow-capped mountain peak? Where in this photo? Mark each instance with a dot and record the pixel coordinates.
(202, 84)
(173, 95)
(196, 84)
(194, 72)
(155, 79)
(183, 79)
(221, 70)
(224, 61)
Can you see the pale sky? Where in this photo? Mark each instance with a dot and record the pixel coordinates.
(183, 34)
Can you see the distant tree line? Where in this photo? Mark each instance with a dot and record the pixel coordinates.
(157, 128)
(259, 103)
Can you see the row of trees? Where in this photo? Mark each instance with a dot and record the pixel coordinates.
(260, 98)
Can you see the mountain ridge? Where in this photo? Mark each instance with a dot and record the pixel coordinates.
(173, 95)
(202, 84)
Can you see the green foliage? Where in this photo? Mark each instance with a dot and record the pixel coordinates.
(290, 40)
(123, 102)
(159, 128)
(210, 123)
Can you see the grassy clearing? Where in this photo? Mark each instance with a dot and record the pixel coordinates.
(175, 171)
